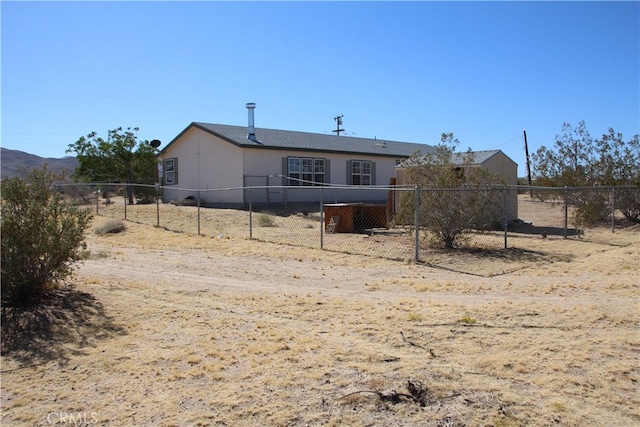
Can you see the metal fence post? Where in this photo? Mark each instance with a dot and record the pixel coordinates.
(417, 222)
(198, 213)
(321, 217)
(126, 195)
(98, 202)
(566, 211)
(157, 185)
(613, 209)
(250, 216)
(506, 216)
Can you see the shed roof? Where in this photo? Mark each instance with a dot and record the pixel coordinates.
(479, 157)
(305, 141)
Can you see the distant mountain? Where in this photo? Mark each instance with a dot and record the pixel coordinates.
(16, 163)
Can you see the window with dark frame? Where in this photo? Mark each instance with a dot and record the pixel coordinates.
(293, 170)
(170, 169)
(361, 172)
(319, 171)
(306, 171)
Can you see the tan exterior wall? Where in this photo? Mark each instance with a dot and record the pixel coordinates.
(503, 166)
(205, 162)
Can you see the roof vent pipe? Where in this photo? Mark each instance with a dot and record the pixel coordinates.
(251, 135)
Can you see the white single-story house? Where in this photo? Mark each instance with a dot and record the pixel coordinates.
(216, 156)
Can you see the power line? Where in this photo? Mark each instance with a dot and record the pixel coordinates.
(504, 143)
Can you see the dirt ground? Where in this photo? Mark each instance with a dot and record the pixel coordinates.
(159, 328)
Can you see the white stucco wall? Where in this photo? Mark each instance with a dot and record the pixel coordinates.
(205, 162)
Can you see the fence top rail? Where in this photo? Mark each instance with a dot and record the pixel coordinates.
(593, 187)
(352, 187)
(103, 184)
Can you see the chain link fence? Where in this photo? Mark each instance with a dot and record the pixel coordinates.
(389, 222)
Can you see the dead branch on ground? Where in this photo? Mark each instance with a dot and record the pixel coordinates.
(417, 392)
(431, 352)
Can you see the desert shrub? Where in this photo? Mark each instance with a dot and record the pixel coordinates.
(145, 195)
(455, 198)
(578, 160)
(592, 206)
(628, 201)
(467, 319)
(415, 317)
(451, 214)
(112, 226)
(42, 235)
(266, 219)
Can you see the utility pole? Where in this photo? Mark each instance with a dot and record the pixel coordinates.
(526, 151)
(338, 120)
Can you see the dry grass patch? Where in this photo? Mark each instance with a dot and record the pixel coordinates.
(111, 226)
(208, 330)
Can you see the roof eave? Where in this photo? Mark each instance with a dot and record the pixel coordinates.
(206, 130)
(317, 150)
(258, 145)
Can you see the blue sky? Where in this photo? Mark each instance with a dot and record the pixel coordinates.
(404, 71)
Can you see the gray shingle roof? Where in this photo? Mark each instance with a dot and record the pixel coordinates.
(305, 141)
(479, 157)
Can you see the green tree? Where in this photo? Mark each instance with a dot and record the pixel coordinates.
(121, 158)
(578, 160)
(619, 165)
(570, 162)
(456, 197)
(42, 235)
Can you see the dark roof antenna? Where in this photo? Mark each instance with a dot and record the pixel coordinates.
(338, 120)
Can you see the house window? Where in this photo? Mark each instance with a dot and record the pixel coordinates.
(170, 168)
(361, 172)
(305, 171)
(318, 171)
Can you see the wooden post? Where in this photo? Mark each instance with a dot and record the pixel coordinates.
(526, 151)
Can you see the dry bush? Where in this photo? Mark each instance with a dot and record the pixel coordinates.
(42, 237)
(111, 226)
(266, 219)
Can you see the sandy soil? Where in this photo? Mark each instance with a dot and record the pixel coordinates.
(164, 328)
